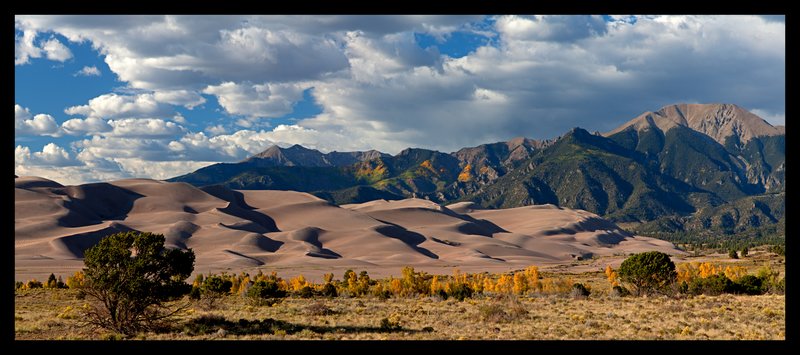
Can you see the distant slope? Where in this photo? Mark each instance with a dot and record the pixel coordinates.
(661, 167)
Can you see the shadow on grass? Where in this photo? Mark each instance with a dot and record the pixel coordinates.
(211, 324)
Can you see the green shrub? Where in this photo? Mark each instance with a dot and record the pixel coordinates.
(306, 292)
(129, 276)
(749, 285)
(732, 254)
(33, 283)
(648, 272)
(460, 291)
(194, 294)
(216, 286)
(329, 290)
(265, 292)
(713, 285)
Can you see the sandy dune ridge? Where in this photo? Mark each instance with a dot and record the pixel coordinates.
(245, 230)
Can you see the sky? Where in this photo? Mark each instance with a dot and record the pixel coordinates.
(100, 98)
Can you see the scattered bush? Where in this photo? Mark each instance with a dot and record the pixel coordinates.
(579, 291)
(648, 272)
(732, 254)
(319, 309)
(391, 323)
(619, 291)
(777, 249)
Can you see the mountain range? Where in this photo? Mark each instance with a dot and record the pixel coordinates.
(686, 168)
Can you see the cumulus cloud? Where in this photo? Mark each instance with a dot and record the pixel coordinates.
(216, 130)
(40, 124)
(120, 106)
(51, 155)
(91, 125)
(144, 128)
(88, 71)
(185, 98)
(55, 50)
(255, 101)
(551, 28)
(24, 48)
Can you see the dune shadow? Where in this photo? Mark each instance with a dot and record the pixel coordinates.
(93, 203)
(238, 207)
(310, 236)
(245, 257)
(412, 239)
(260, 241)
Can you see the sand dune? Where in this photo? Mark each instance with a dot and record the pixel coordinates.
(242, 230)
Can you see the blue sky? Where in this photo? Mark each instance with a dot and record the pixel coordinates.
(109, 97)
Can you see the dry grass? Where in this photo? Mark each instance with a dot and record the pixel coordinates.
(44, 314)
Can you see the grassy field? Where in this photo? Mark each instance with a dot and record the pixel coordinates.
(56, 314)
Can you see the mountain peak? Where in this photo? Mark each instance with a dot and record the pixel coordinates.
(717, 120)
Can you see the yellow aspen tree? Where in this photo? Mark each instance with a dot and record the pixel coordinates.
(396, 286)
(504, 284)
(520, 283)
(477, 282)
(328, 278)
(235, 282)
(611, 275)
(77, 280)
(283, 285)
(435, 285)
(243, 285)
(488, 284)
(735, 272)
(532, 275)
(352, 283)
(298, 282)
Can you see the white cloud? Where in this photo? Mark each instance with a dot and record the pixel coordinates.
(120, 106)
(89, 126)
(88, 71)
(551, 28)
(256, 101)
(55, 50)
(144, 128)
(51, 156)
(774, 119)
(185, 98)
(216, 130)
(40, 124)
(160, 169)
(24, 48)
